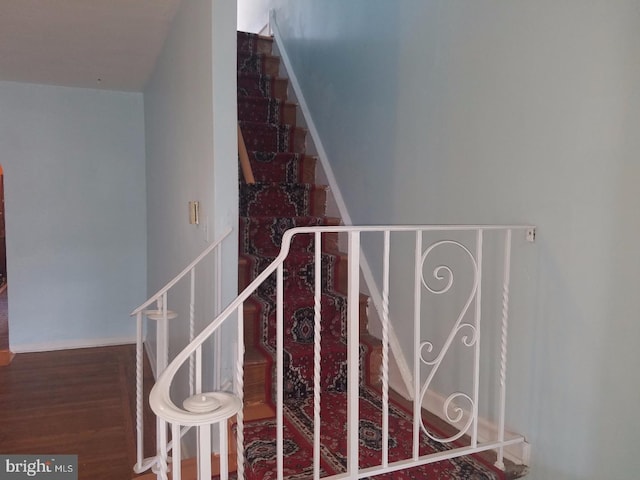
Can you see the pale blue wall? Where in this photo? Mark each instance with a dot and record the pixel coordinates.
(191, 91)
(75, 214)
(450, 111)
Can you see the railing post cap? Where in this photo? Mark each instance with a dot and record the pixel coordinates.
(159, 314)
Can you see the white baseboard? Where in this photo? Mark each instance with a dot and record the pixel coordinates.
(71, 344)
(265, 31)
(487, 430)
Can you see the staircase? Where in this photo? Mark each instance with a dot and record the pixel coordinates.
(310, 394)
(285, 196)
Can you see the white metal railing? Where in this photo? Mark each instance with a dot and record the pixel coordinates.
(430, 244)
(162, 315)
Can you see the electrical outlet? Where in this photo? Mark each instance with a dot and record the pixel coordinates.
(531, 234)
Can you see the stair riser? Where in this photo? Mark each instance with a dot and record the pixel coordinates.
(253, 331)
(261, 86)
(266, 110)
(299, 372)
(258, 372)
(282, 167)
(266, 137)
(251, 44)
(273, 200)
(299, 272)
(263, 235)
(250, 267)
(299, 243)
(254, 382)
(258, 64)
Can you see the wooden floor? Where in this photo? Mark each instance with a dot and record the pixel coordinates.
(4, 319)
(72, 402)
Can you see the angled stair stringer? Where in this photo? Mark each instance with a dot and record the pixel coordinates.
(403, 381)
(400, 370)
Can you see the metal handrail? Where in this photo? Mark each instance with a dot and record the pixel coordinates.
(182, 274)
(162, 315)
(165, 408)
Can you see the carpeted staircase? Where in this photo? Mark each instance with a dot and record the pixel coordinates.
(285, 195)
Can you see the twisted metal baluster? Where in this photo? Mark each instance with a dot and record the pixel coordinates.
(385, 352)
(139, 392)
(503, 346)
(192, 330)
(240, 393)
(162, 454)
(280, 370)
(316, 357)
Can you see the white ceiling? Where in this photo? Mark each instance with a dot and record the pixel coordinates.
(107, 44)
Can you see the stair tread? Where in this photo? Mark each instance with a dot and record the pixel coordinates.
(253, 84)
(258, 54)
(333, 221)
(286, 184)
(295, 256)
(263, 63)
(280, 155)
(259, 99)
(251, 124)
(259, 76)
(276, 137)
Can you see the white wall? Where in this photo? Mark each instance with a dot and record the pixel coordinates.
(441, 111)
(192, 155)
(253, 15)
(75, 214)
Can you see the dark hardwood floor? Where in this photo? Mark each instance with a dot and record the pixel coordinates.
(4, 318)
(72, 402)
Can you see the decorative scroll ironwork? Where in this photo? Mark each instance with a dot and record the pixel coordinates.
(451, 410)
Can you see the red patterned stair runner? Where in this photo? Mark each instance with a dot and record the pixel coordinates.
(286, 196)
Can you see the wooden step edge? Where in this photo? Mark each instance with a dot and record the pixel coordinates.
(273, 78)
(6, 357)
(258, 411)
(265, 55)
(375, 358)
(304, 156)
(314, 187)
(189, 468)
(249, 98)
(267, 38)
(297, 130)
(329, 222)
(254, 356)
